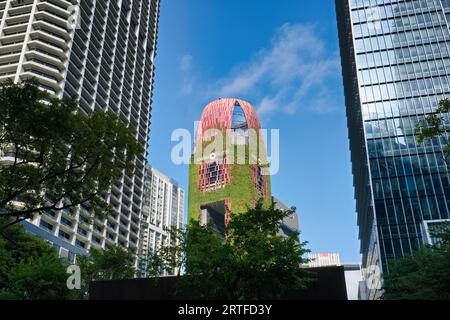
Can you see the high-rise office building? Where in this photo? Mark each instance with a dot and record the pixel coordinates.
(226, 174)
(101, 51)
(163, 208)
(396, 68)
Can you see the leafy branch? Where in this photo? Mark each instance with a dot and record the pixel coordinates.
(434, 126)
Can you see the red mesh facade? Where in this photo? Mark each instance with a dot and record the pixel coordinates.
(219, 115)
(259, 180)
(213, 175)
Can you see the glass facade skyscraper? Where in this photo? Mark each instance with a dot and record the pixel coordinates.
(396, 69)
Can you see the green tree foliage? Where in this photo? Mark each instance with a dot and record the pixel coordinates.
(435, 126)
(253, 261)
(58, 157)
(156, 265)
(112, 264)
(169, 258)
(422, 276)
(30, 268)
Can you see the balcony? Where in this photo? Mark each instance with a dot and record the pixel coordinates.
(65, 236)
(43, 69)
(60, 12)
(110, 240)
(19, 19)
(97, 241)
(50, 214)
(66, 225)
(7, 68)
(42, 78)
(15, 28)
(123, 235)
(50, 38)
(52, 19)
(20, 12)
(49, 48)
(44, 57)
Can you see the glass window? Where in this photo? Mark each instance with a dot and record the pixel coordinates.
(238, 121)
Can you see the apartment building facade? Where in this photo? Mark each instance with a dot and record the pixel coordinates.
(102, 52)
(163, 208)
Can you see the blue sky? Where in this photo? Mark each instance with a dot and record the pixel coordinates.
(281, 56)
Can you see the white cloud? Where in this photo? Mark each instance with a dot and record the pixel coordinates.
(267, 105)
(186, 63)
(186, 88)
(187, 79)
(283, 76)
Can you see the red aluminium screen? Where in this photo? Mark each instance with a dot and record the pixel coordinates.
(219, 115)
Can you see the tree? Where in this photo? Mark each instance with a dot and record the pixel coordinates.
(421, 276)
(112, 264)
(170, 258)
(53, 157)
(435, 126)
(252, 262)
(30, 268)
(40, 278)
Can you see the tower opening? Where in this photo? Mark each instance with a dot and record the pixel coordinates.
(213, 175)
(213, 214)
(238, 121)
(239, 126)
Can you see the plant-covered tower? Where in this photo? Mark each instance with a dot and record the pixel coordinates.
(228, 170)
